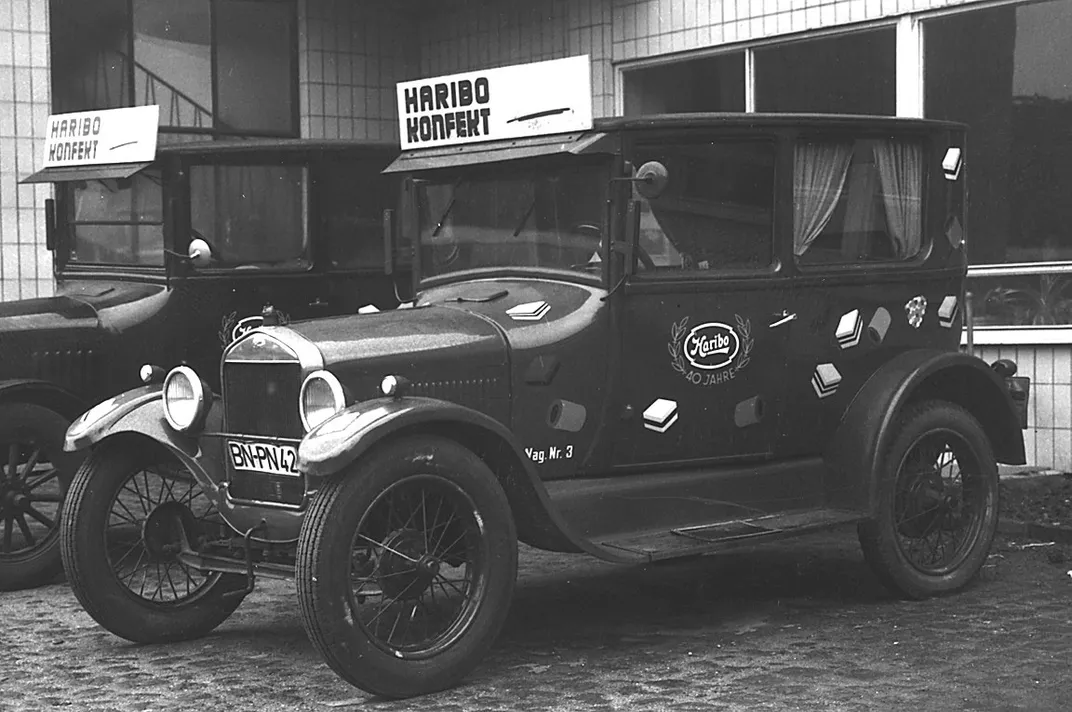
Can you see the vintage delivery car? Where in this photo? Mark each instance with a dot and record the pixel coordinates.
(640, 338)
(166, 260)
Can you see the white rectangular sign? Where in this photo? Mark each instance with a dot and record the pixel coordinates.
(90, 138)
(508, 102)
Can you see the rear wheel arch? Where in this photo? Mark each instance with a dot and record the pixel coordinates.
(868, 425)
(975, 392)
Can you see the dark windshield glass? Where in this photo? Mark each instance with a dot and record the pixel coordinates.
(543, 217)
(117, 221)
(252, 216)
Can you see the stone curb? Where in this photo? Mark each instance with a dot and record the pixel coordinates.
(1033, 530)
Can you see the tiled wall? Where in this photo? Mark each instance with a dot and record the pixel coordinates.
(1048, 438)
(350, 55)
(25, 265)
(473, 34)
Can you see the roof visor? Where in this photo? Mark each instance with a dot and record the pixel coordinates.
(113, 143)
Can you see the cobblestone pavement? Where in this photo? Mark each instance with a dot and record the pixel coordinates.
(801, 625)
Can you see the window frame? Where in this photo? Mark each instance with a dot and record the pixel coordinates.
(926, 237)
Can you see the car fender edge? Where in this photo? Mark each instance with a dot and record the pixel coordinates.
(864, 433)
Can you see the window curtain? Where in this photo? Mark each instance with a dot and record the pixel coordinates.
(818, 179)
(900, 168)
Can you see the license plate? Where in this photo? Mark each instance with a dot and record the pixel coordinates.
(264, 457)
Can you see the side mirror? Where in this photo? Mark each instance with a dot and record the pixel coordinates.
(199, 253)
(651, 179)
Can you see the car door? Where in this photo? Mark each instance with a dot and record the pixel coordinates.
(703, 319)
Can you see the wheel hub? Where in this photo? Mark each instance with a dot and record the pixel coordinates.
(407, 571)
(166, 527)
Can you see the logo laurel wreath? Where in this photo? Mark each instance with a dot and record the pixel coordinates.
(677, 333)
(747, 342)
(231, 320)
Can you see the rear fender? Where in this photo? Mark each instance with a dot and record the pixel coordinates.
(868, 426)
(338, 442)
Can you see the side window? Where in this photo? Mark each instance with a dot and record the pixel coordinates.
(253, 217)
(857, 202)
(715, 212)
(351, 197)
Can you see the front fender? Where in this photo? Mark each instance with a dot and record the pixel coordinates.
(340, 440)
(343, 438)
(102, 419)
(869, 423)
(50, 395)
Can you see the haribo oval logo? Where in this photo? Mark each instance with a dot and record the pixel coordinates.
(711, 346)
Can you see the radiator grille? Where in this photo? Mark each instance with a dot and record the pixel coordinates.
(262, 398)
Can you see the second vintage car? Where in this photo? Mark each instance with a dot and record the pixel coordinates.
(166, 260)
(637, 338)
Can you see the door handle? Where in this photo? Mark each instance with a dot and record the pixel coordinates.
(784, 318)
(318, 302)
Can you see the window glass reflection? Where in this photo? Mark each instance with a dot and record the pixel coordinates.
(845, 74)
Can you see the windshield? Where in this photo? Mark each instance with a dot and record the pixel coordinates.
(117, 221)
(252, 216)
(545, 217)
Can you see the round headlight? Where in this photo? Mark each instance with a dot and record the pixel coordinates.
(184, 398)
(321, 397)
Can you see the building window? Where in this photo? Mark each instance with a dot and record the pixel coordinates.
(213, 66)
(1007, 73)
(716, 213)
(256, 65)
(845, 74)
(708, 84)
(173, 60)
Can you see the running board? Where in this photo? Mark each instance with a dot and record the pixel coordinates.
(708, 538)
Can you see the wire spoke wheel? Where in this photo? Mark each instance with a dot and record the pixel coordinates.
(31, 491)
(405, 566)
(35, 474)
(936, 511)
(157, 511)
(133, 509)
(939, 502)
(417, 566)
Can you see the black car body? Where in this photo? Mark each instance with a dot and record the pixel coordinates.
(291, 224)
(665, 336)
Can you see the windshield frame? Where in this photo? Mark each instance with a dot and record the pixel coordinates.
(67, 223)
(419, 221)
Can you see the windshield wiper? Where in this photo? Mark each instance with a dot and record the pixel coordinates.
(525, 218)
(450, 206)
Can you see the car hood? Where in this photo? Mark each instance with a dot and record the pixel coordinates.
(81, 307)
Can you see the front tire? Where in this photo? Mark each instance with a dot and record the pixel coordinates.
(406, 566)
(938, 503)
(119, 538)
(35, 473)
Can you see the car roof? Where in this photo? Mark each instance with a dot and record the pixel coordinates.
(238, 146)
(768, 120)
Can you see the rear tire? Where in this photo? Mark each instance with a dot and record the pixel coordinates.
(119, 532)
(35, 474)
(406, 566)
(938, 503)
